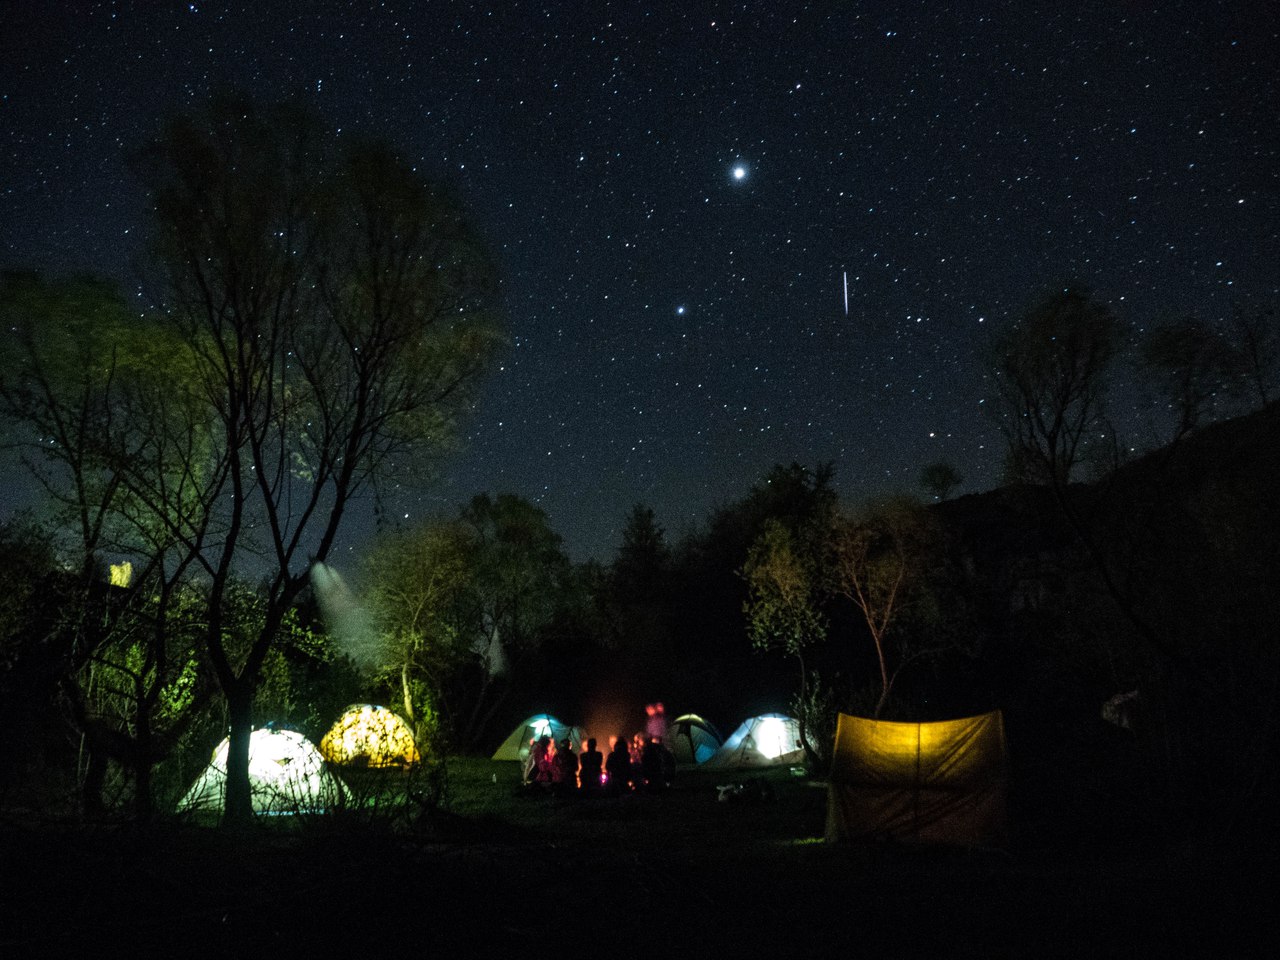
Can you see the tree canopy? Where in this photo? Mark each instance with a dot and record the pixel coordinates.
(325, 314)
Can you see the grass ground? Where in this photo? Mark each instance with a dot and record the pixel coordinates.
(680, 874)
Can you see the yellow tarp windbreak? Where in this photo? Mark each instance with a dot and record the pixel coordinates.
(940, 782)
(370, 736)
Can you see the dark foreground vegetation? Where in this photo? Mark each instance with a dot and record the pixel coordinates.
(679, 874)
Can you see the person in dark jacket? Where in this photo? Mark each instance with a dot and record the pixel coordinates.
(651, 766)
(668, 763)
(618, 768)
(564, 768)
(590, 765)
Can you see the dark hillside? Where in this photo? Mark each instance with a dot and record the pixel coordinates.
(1157, 579)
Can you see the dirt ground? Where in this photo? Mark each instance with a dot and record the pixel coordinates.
(679, 874)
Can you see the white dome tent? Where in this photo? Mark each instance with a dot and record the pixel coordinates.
(287, 775)
(771, 739)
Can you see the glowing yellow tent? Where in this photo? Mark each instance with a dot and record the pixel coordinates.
(370, 736)
(942, 782)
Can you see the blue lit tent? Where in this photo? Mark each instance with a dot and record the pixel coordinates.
(771, 739)
(516, 746)
(692, 739)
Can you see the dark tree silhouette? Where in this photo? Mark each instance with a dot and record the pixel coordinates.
(940, 479)
(88, 388)
(335, 311)
(1193, 368)
(1255, 336)
(1051, 370)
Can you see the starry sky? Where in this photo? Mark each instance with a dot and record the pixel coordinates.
(679, 192)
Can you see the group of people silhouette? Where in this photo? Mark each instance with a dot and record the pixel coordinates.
(642, 763)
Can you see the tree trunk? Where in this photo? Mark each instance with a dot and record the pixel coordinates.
(239, 800)
(802, 725)
(885, 682)
(143, 755)
(95, 776)
(143, 804)
(408, 699)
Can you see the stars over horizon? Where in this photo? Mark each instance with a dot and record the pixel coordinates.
(676, 197)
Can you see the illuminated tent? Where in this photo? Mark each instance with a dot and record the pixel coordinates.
(767, 740)
(940, 782)
(287, 774)
(692, 739)
(370, 736)
(516, 746)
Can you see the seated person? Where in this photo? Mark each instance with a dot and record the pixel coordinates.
(618, 767)
(537, 766)
(564, 767)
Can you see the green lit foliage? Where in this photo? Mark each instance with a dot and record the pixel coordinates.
(93, 390)
(98, 397)
(519, 577)
(784, 584)
(139, 688)
(520, 570)
(417, 578)
(303, 682)
(466, 605)
(783, 611)
(339, 312)
(886, 559)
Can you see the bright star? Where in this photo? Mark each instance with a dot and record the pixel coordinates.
(679, 310)
(739, 172)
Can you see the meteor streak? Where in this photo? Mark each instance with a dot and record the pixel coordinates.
(846, 293)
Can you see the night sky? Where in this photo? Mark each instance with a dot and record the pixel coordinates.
(676, 192)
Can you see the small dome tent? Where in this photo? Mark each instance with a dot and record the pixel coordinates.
(941, 782)
(767, 740)
(516, 746)
(692, 739)
(370, 736)
(287, 775)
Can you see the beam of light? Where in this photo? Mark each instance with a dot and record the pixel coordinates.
(348, 623)
(846, 293)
